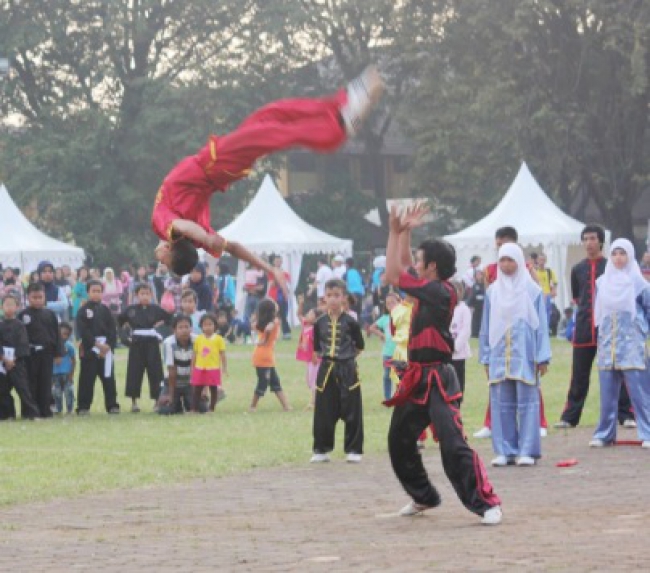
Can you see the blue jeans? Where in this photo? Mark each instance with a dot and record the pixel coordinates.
(61, 386)
(388, 383)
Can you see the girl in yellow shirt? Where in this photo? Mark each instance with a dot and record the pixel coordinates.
(208, 362)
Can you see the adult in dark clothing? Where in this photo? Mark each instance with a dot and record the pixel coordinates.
(97, 334)
(475, 300)
(55, 298)
(429, 392)
(200, 286)
(45, 343)
(585, 333)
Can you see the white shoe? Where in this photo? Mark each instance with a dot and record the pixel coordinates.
(646, 445)
(492, 516)
(354, 458)
(595, 443)
(629, 424)
(412, 509)
(319, 459)
(543, 432)
(500, 462)
(525, 461)
(484, 432)
(363, 94)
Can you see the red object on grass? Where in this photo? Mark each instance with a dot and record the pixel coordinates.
(567, 463)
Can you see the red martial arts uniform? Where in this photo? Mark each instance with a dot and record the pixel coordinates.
(185, 193)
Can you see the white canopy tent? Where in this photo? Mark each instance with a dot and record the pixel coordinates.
(22, 245)
(541, 226)
(269, 226)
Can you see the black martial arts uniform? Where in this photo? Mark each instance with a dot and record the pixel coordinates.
(144, 352)
(338, 388)
(46, 344)
(95, 320)
(13, 334)
(429, 394)
(585, 340)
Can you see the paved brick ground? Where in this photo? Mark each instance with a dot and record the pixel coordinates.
(340, 517)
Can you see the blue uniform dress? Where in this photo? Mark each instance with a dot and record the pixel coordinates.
(514, 383)
(623, 357)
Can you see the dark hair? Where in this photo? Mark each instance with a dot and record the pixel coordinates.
(208, 316)
(142, 286)
(94, 282)
(12, 296)
(352, 300)
(222, 313)
(35, 287)
(184, 257)
(336, 283)
(349, 262)
(443, 254)
(507, 233)
(178, 318)
(593, 228)
(265, 313)
(474, 259)
(533, 256)
(65, 326)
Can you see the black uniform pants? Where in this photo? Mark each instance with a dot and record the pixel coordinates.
(39, 367)
(17, 379)
(91, 367)
(583, 359)
(338, 397)
(462, 465)
(144, 354)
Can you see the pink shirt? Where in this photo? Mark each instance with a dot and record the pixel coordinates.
(461, 330)
(305, 350)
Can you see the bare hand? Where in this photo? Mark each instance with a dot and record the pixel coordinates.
(395, 220)
(542, 369)
(9, 364)
(414, 215)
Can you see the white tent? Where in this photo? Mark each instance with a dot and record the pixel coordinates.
(541, 226)
(269, 226)
(22, 245)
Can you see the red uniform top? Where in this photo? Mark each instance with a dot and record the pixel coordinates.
(185, 192)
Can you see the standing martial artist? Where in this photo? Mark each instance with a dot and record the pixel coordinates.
(45, 343)
(429, 391)
(14, 351)
(98, 336)
(144, 353)
(585, 332)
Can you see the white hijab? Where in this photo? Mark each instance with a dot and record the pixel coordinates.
(511, 297)
(618, 289)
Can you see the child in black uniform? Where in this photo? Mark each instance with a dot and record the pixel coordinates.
(45, 343)
(337, 341)
(144, 353)
(97, 333)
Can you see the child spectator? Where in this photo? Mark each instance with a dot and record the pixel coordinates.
(461, 329)
(475, 301)
(337, 341)
(14, 352)
(516, 350)
(400, 319)
(45, 343)
(622, 315)
(305, 351)
(63, 374)
(349, 306)
(383, 329)
(97, 340)
(240, 326)
(208, 363)
(268, 330)
(188, 308)
(200, 286)
(79, 291)
(224, 328)
(144, 352)
(567, 324)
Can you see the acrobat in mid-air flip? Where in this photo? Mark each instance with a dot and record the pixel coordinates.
(181, 214)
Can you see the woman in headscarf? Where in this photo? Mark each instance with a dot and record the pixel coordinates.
(622, 315)
(200, 286)
(55, 298)
(112, 296)
(515, 349)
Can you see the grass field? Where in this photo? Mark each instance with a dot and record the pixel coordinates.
(68, 456)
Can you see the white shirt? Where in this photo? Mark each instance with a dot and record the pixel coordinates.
(338, 272)
(323, 274)
(461, 329)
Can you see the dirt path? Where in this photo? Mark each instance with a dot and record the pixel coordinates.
(341, 517)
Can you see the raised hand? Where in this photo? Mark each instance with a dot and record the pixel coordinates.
(414, 215)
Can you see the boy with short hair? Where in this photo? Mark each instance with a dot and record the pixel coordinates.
(144, 352)
(188, 308)
(63, 374)
(14, 351)
(45, 344)
(98, 337)
(337, 342)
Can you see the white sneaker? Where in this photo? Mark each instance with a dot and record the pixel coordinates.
(629, 424)
(492, 516)
(363, 93)
(543, 432)
(412, 509)
(646, 445)
(484, 432)
(354, 458)
(595, 443)
(500, 462)
(525, 461)
(319, 459)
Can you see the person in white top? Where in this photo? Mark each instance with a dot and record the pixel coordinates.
(469, 277)
(461, 330)
(323, 274)
(338, 268)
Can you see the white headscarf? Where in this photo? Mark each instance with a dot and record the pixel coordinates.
(511, 297)
(618, 289)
